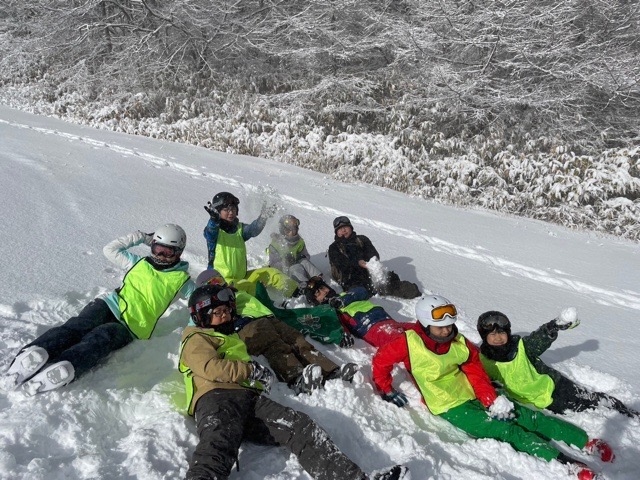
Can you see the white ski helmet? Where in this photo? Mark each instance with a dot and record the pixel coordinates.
(436, 310)
(170, 235)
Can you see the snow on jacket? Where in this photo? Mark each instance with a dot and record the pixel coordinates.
(283, 253)
(212, 230)
(344, 255)
(117, 253)
(397, 351)
(210, 370)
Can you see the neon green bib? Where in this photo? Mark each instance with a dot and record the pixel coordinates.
(439, 378)
(231, 256)
(284, 248)
(359, 306)
(249, 306)
(521, 380)
(231, 348)
(145, 295)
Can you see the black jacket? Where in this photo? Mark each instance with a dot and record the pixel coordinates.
(344, 255)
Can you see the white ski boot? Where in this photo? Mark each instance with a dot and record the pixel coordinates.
(54, 376)
(26, 364)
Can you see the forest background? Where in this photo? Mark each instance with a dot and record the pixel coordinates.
(528, 107)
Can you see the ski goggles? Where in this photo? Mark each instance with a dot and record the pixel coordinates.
(225, 295)
(493, 322)
(439, 313)
(341, 222)
(165, 251)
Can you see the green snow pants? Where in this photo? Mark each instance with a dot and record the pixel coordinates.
(529, 432)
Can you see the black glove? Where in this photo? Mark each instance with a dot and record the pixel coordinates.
(395, 397)
(263, 375)
(213, 213)
(336, 302)
(347, 340)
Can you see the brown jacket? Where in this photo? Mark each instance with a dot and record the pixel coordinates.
(210, 370)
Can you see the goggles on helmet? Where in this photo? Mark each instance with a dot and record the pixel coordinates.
(439, 313)
(493, 322)
(164, 251)
(225, 295)
(341, 222)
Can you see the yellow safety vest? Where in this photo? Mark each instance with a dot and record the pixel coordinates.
(145, 295)
(439, 378)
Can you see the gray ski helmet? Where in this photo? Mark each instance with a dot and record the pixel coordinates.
(436, 310)
(170, 235)
(288, 223)
(224, 199)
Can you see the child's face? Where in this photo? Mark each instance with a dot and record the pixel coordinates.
(229, 213)
(220, 315)
(497, 338)
(440, 332)
(291, 232)
(344, 232)
(321, 293)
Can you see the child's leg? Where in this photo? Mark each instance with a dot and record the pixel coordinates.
(96, 345)
(550, 427)
(261, 338)
(472, 418)
(310, 268)
(569, 396)
(316, 452)
(220, 419)
(58, 339)
(272, 277)
(306, 352)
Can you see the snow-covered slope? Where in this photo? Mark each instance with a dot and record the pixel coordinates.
(67, 190)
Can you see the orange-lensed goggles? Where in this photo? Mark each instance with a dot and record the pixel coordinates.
(439, 313)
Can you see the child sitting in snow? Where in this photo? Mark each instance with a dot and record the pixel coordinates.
(358, 315)
(355, 262)
(515, 363)
(150, 285)
(225, 391)
(447, 370)
(288, 252)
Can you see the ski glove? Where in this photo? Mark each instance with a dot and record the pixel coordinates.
(213, 213)
(148, 237)
(567, 319)
(502, 409)
(336, 302)
(395, 397)
(347, 340)
(263, 375)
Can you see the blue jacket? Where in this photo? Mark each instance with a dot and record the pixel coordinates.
(361, 321)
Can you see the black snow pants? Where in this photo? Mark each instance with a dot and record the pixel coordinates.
(85, 339)
(570, 396)
(224, 418)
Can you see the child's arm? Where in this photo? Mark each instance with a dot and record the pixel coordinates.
(211, 236)
(116, 251)
(538, 341)
(353, 295)
(254, 228)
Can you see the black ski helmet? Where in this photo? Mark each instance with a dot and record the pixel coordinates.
(224, 199)
(493, 321)
(313, 285)
(288, 223)
(205, 299)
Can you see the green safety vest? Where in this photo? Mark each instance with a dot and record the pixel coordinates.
(231, 348)
(359, 306)
(521, 380)
(231, 256)
(249, 306)
(145, 295)
(439, 378)
(284, 248)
